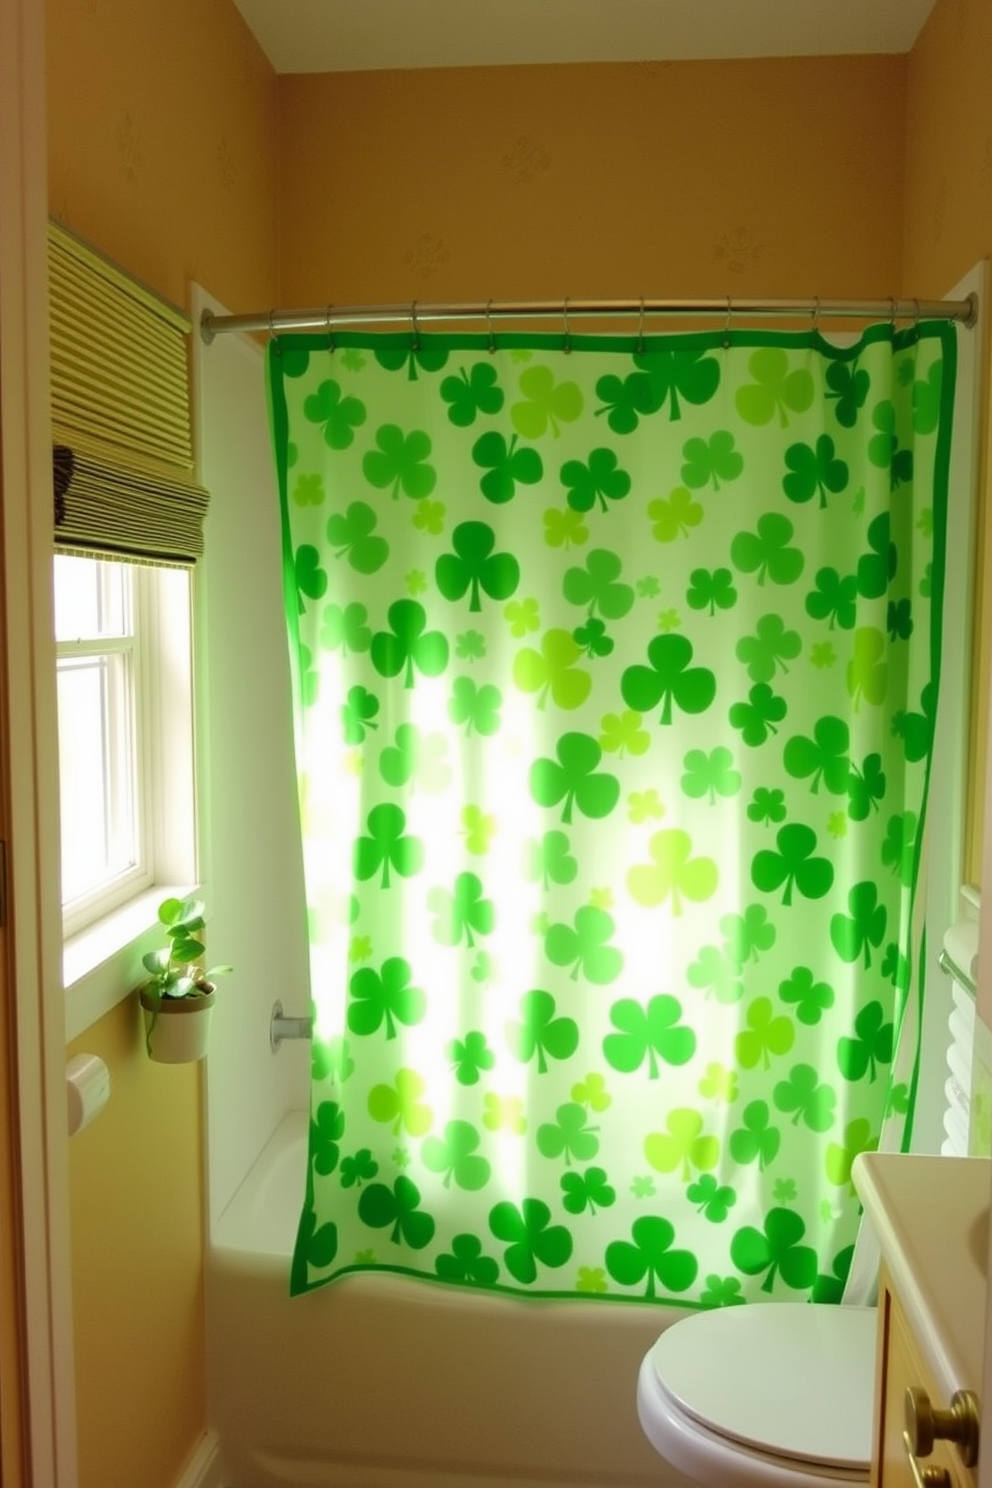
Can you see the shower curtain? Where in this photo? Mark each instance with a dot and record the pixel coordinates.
(615, 664)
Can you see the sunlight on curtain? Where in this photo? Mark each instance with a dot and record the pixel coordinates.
(615, 671)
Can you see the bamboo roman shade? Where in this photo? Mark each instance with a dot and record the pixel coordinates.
(121, 405)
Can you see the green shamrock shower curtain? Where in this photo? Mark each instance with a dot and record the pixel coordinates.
(615, 668)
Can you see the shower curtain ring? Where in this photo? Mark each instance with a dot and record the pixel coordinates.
(916, 315)
(567, 347)
(330, 334)
(816, 315)
(892, 312)
(489, 327)
(726, 324)
(640, 329)
(273, 338)
(416, 328)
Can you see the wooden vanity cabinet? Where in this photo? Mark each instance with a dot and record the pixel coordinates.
(899, 1365)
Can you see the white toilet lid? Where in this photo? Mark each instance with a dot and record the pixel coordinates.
(795, 1379)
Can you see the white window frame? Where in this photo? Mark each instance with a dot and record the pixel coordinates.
(105, 936)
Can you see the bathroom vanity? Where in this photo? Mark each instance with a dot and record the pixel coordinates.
(930, 1216)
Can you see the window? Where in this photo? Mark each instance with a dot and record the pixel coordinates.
(125, 705)
(103, 730)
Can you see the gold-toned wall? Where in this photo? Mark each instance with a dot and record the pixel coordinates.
(948, 229)
(162, 144)
(693, 178)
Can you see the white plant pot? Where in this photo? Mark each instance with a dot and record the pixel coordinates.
(180, 1031)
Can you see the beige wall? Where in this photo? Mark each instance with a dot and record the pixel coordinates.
(170, 143)
(163, 129)
(948, 229)
(699, 178)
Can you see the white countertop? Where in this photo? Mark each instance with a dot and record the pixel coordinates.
(931, 1218)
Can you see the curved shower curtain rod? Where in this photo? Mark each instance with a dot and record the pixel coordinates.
(417, 314)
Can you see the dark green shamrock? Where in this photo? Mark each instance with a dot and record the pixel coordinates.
(465, 1263)
(399, 1206)
(834, 599)
(420, 352)
(506, 466)
(848, 386)
(358, 714)
(530, 1238)
(385, 996)
(776, 1250)
(853, 936)
(793, 865)
(471, 393)
(711, 589)
(669, 680)
(470, 1056)
(805, 1099)
(814, 470)
(649, 1254)
(326, 1131)
(387, 846)
(600, 479)
(340, 415)
(409, 645)
(589, 1190)
(596, 586)
(474, 566)
(574, 779)
(824, 758)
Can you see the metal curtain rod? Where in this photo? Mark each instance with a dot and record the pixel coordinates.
(332, 317)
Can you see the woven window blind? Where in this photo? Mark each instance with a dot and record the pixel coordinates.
(121, 405)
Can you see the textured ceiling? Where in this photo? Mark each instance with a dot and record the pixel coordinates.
(362, 35)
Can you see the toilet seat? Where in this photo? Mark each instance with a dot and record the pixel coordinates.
(776, 1395)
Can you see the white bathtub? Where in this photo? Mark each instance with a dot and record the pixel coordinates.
(386, 1382)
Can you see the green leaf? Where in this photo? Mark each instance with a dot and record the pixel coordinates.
(853, 936)
(757, 1140)
(708, 461)
(683, 1146)
(462, 914)
(804, 1098)
(570, 1136)
(814, 471)
(596, 586)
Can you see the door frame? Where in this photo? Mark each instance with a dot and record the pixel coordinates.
(37, 1425)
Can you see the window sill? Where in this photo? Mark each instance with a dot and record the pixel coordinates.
(102, 964)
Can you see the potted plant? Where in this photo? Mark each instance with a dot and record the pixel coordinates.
(178, 997)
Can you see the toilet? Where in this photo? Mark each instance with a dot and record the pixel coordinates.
(763, 1396)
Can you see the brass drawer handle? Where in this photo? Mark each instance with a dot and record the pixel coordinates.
(925, 1424)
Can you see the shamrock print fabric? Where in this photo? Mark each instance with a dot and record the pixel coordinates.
(615, 675)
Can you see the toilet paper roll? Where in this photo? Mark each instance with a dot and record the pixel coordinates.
(87, 1089)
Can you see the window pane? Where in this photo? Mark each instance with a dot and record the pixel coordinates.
(96, 774)
(92, 598)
